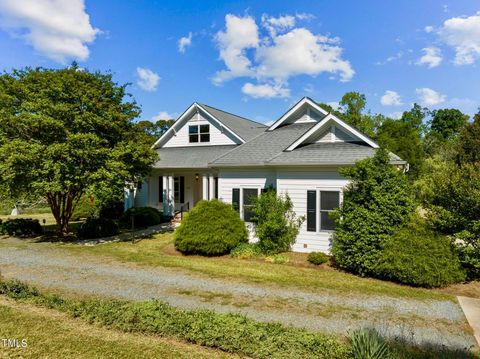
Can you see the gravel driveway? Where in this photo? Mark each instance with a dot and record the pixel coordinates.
(418, 321)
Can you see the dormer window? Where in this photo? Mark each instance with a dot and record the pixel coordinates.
(199, 133)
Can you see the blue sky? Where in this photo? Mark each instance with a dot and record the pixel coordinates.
(257, 58)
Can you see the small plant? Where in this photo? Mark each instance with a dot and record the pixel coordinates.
(21, 227)
(18, 290)
(210, 228)
(367, 344)
(246, 250)
(142, 217)
(97, 228)
(317, 258)
(276, 225)
(277, 259)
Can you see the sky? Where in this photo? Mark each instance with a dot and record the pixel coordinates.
(257, 58)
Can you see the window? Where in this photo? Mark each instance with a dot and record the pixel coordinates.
(199, 133)
(248, 194)
(160, 189)
(328, 201)
(179, 189)
(244, 196)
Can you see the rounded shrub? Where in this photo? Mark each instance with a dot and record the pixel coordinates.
(417, 256)
(142, 216)
(317, 258)
(21, 227)
(210, 228)
(97, 228)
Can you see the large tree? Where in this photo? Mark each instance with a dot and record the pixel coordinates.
(352, 110)
(63, 132)
(153, 130)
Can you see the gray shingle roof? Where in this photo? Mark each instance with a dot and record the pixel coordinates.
(263, 147)
(337, 153)
(189, 157)
(245, 128)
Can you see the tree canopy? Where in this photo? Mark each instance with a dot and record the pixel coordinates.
(63, 132)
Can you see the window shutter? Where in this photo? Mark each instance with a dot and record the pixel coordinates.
(182, 189)
(312, 211)
(160, 189)
(236, 199)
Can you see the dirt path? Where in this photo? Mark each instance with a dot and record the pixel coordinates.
(421, 322)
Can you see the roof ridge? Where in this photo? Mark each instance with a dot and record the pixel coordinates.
(232, 114)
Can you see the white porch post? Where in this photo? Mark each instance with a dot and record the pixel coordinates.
(171, 199)
(204, 186)
(165, 195)
(211, 191)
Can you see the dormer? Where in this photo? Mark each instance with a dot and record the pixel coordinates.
(304, 111)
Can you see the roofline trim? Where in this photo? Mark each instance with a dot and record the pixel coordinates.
(294, 108)
(340, 122)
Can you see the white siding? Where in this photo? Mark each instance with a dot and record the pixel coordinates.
(296, 183)
(238, 178)
(218, 135)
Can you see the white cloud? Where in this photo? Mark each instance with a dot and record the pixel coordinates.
(463, 35)
(147, 79)
(429, 97)
(432, 57)
(395, 57)
(58, 29)
(163, 115)
(391, 98)
(305, 16)
(395, 115)
(428, 29)
(275, 52)
(265, 90)
(184, 42)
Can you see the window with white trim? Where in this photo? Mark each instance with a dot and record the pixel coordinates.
(242, 201)
(326, 201)
(199, 133)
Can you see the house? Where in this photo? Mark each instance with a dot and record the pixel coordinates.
(209, 153)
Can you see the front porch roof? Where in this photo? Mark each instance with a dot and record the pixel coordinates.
(190, 157)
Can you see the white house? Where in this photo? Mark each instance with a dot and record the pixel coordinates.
(209, 153)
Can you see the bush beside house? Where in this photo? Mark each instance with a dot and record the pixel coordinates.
(142, 217)
(210, 228)
(21, 227)
(97, 228)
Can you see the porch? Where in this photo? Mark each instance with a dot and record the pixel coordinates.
(172, 192)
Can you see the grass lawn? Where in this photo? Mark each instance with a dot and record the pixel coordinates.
(52, 334)
(159, 251)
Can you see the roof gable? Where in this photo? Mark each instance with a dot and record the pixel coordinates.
(237, 128)
(315, 133)
(305, 110)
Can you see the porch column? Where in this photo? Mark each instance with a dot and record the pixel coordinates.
(211, 190)
(165, 195)
(204, 186)
(171, 199)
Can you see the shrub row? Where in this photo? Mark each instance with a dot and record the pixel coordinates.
(97, 228)
(21, 227)
(142, 217)
(229, 332)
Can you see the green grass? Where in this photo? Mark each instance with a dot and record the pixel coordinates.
(159, 252)
(51, 334)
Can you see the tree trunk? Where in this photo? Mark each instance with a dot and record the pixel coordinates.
(62, 205)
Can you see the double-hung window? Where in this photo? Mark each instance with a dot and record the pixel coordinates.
(320, 204)
(199, 133)
(242, 201)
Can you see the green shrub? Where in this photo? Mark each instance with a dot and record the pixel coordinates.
(277, 259)
(18, 290)
(210, 228)
(232, 333)
(21, 227)
(276, 224)
(84, 208)
(367, 344)
(246, 250)
(377, 201)
(97, 228)
(112, 209)
(417, 256)
(142, 216)
(317, 258)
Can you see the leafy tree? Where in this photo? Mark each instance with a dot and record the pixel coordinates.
(64, 132)
(404, 140)
(376, 202)
(468, 145)
(416, 118)
(154, 129)
(448, 122)
(353, 112)
(276, 224)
